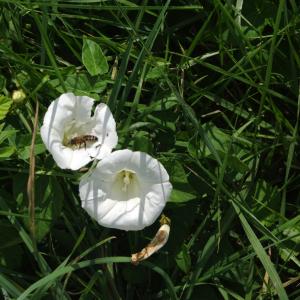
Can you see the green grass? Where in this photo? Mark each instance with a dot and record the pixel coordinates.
(211, 89)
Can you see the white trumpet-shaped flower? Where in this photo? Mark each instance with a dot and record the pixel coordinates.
(127, 190)
(74, 136)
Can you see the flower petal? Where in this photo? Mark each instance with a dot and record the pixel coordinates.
(66, 108)
(155, 201)
(150, 169)
(115, 162)
(105, 129)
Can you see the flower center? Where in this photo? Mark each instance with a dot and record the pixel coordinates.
(125, 186)
(127, 178)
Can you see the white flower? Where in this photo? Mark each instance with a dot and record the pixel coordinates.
(127, 190)
(73, 136)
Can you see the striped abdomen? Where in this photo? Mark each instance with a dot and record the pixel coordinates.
(83, 140)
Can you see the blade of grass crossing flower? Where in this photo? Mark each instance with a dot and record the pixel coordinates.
(262, 255)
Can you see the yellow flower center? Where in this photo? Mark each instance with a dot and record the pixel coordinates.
(127, 178)
(125, 185)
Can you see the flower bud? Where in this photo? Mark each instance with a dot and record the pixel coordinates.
(18, 96)
(157, 242)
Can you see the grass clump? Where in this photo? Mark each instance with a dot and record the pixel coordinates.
(210, 88)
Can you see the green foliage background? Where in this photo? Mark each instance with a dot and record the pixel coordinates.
(211, 89)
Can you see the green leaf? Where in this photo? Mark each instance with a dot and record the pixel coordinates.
(183, 259)
(178, 173)
(99, 87)
(224, 144)
(24, 153)
(7, 133)
(6, 152)
(181, 196)
(5, 104)
(235, 163)
(23, 145)
(219, 140)
(157, 71)
(79, 84)
(142, 142)
(93, 58)
(182, 190)
(23, 78)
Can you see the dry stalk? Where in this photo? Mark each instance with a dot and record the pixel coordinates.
(30, 183)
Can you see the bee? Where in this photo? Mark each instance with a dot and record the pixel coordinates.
(82, 140)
